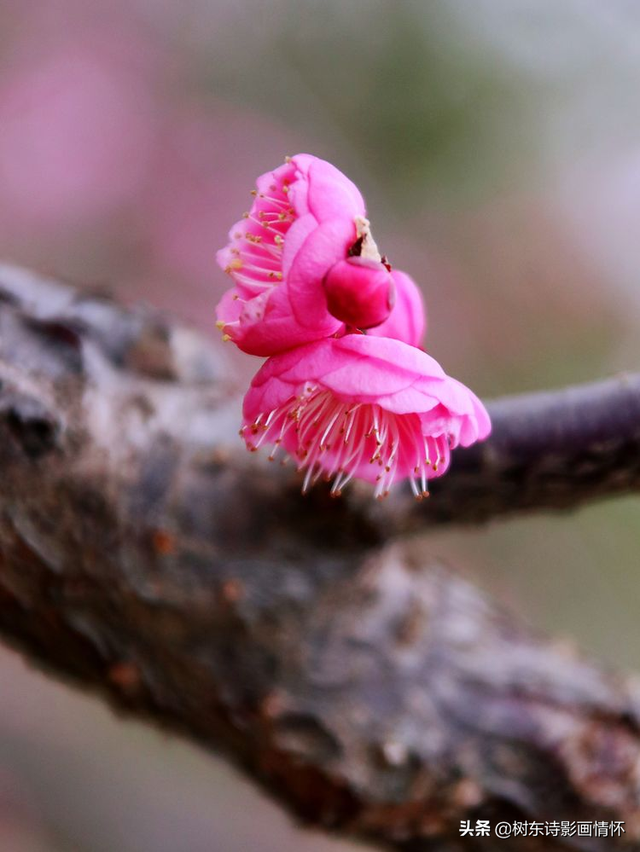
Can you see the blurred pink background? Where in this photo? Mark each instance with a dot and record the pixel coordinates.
(498, 146)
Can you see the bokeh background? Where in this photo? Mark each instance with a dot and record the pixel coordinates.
(498, 145)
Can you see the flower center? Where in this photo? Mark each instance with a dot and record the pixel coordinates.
(341, 439)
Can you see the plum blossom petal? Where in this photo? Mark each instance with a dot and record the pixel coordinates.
(323, 248)
(265, 321)
(307, 227)
(408, 319)
(370, 407)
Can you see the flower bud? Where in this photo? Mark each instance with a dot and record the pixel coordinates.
(360, 292)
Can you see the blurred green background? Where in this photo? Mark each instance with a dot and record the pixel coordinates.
(497, 143)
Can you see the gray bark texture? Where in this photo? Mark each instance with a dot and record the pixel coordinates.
(145, 555)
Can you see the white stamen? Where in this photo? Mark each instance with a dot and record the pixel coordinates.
(334, 439)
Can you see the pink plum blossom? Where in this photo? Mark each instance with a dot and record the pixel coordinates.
(290, 258)
(364, 406)
(302, 222)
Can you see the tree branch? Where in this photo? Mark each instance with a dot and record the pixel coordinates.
(145, 557)
(548, 450)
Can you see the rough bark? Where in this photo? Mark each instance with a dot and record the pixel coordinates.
(145, 557)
